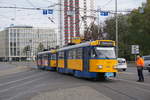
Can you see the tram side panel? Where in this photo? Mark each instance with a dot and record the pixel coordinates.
(85, 73)
(42, 62)
(61, 62)
(52, 62)
(74, 59)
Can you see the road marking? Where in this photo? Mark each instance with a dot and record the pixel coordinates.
(20, 79)
(127, 73)
(25, 92)
(15, 74)
(119, 92)
(1, 91)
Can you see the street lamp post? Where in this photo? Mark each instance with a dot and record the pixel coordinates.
(30, 44)
(116, 17)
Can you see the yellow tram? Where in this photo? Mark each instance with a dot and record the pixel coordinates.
(94, 59)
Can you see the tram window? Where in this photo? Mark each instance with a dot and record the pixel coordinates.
(104, 52)
(61, 55)
(36, 58)
(79, 53)
(53, 56)
(40, 56)
(93, 53)
(45, 57)
(70, 54)
(74, 54)
(49, 56)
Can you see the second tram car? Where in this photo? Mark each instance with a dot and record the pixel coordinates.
(47, 60)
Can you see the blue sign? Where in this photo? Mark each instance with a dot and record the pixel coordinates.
(47, 11)
(103, 13)
(44, 11)
(50, 11)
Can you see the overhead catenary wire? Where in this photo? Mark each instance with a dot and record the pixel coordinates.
(57, 4)
(39, 8)
(107, 3)
(21, 8)
(29, 2)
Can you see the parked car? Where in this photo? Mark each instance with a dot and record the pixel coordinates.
(147, 62)
(122, 64)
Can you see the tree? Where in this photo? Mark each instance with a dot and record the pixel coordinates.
(26, 49)
(133, 29)
(40, 47)
(123, 31)
(93, 32)
(140, 29)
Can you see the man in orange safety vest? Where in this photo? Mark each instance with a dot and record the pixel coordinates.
(140, 65)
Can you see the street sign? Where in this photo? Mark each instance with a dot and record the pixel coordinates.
(135, 49)
(47, 11)
(141, 10)
(50, 11)
(44, 11)
(104, 13)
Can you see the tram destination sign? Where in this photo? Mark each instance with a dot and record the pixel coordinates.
(106, 43)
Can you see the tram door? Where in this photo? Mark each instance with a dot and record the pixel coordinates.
(86, 56)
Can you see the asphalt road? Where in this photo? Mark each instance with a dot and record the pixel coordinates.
(33, 84)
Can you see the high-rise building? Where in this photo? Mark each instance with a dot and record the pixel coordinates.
(75, 18)
(16, 40)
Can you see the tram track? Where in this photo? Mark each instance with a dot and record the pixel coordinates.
(20, 82)
(120, 92)
(120, 89)
(21, 74)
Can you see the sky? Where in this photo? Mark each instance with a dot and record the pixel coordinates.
(122, 4)
(37, 19)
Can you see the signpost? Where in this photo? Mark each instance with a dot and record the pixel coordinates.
(135, 50)
(47, 11)
(104, 13)
(50, 11)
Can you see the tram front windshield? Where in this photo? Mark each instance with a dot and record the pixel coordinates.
(105, 52)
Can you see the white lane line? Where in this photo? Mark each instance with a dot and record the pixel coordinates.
(7, 83)
(8, 89)
(22, 73)
(25, 92)
(129, 73)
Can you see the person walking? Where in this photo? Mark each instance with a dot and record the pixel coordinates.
(140, 65)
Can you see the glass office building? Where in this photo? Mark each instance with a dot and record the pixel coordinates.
(15, 41)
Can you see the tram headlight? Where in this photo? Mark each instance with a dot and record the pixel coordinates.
(116, 66)
(100, 66)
